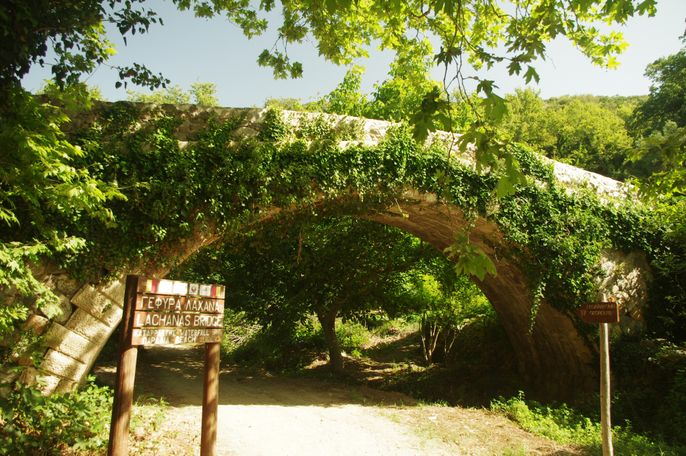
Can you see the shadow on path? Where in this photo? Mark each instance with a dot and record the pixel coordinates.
(176, 373)
(264, 415)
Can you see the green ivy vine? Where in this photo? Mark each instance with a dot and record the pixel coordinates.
(227, 177)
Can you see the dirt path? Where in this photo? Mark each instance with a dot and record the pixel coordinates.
(264, 415)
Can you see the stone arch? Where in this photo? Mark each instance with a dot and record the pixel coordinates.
(555, 355)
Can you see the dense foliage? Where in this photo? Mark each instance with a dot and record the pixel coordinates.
(171, 190)
(475, 31)
(660, 126)
(444, 303)
(481, 33)
(41, 187)
(566, 425)
(200, 93)
(667, 94)
(295, 168)
(588, 132)
(74, 31)
(329, 268)
(35, 424)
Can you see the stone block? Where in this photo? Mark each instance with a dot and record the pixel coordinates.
(24, 359)
(98, 305)
(115, 291)
(88, 326)
(63, 366)
(48, 383)
(70, 343)
(42, 270)
(36, 323)
(65, 386)
(8, 375)
(64, 284)
(28, 376)
(112, 316)
(65, 309)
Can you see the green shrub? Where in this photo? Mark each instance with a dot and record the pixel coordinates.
(672, 415)
(34, 424)
(280, 349)
(395, 326)
(565, 425)
(352, 336)
(650, 386)
(238, 329)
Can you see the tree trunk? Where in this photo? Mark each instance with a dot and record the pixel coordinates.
(328, 321)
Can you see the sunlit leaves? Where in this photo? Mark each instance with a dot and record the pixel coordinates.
(667, 95)
(41, 183)
(200, 93)
(511, 176)
(281, 65)
(140, 75)
(469, 258)
(434, 109)
(585, 131)
(133, 20)
(664, 154)
(494, 106)
(530, 74)
(346, 97)
(240, 12)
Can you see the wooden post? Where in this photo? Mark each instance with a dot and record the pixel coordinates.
(210, 399)
(605, 398)
(126, 374)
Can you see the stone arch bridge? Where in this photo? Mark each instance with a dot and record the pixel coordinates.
(555, 354)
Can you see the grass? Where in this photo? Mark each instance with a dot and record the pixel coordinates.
(567, 426)
(147, 415)
(146, 418)
(520, 450)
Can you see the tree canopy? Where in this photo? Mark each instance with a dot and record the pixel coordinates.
(667, 99)
(329, 267)
(588, 132)
(200, 93)
(659, 124)
(481, 33)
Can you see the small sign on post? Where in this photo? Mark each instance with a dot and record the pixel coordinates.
(168, 312)
(600, 312)
(603, 313)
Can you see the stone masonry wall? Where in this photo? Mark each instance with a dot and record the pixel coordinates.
(74, 338)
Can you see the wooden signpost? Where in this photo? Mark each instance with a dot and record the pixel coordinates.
(603, 313)
(168, 312)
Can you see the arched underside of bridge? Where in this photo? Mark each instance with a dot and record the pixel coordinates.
(553, 356)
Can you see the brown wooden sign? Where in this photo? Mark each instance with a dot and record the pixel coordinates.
(171, 336)
(171, 303)
(600, 312)
(150, 320)
(169, 312)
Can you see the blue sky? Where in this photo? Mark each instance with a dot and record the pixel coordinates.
(187, 50)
